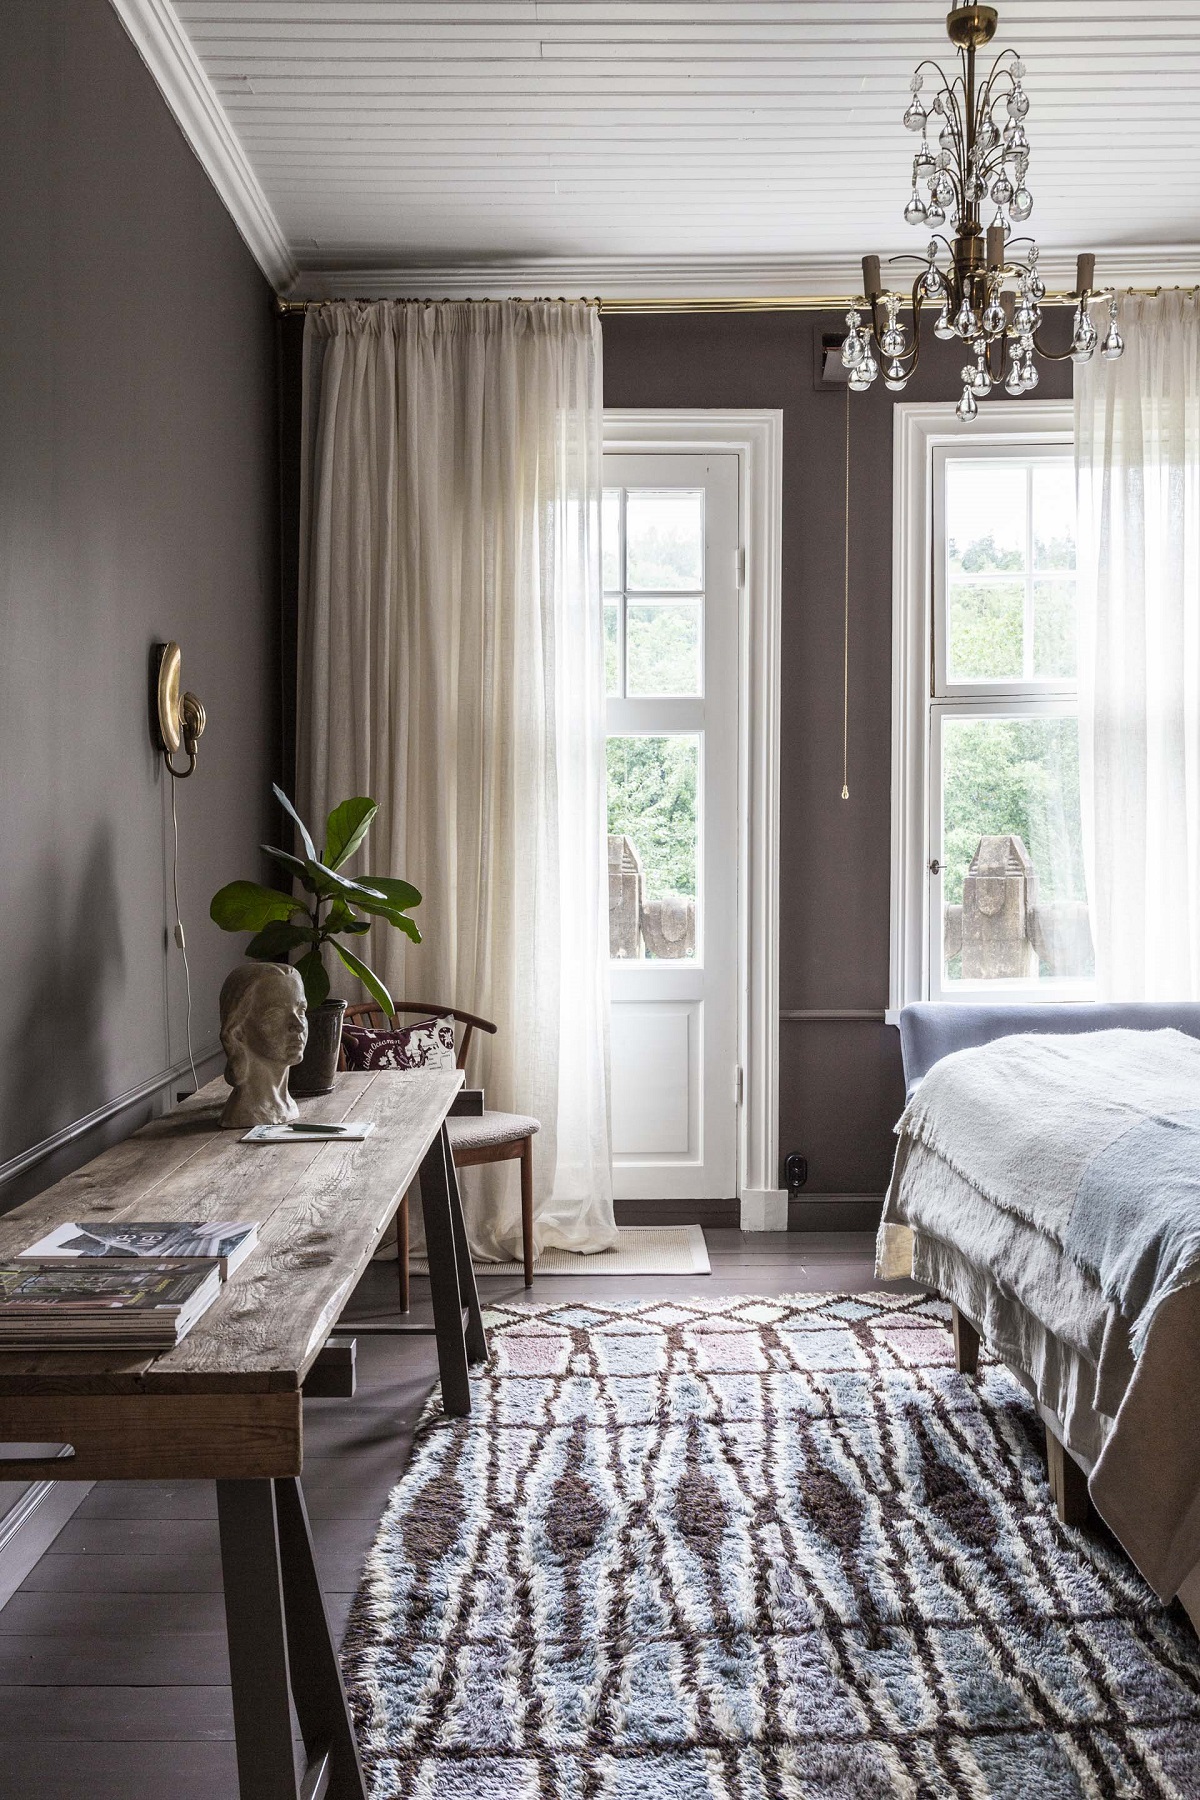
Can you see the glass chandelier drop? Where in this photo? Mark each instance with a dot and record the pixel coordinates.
(985, 284)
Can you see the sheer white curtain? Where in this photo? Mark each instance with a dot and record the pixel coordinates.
(451, 665)
(1137, 437)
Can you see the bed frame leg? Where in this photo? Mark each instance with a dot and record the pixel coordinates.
(1068, 1483)
(966, 1343)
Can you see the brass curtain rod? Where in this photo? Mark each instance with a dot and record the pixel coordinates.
(683, 304)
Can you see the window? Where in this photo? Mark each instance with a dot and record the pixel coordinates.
(990, 890)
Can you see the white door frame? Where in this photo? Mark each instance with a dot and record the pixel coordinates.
(756, 438)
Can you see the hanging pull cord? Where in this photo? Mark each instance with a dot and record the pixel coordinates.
(846, 620)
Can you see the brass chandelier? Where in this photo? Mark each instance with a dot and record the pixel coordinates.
(984, 283)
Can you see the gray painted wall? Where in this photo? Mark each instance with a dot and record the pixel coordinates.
(840, 1084)
(138, 501)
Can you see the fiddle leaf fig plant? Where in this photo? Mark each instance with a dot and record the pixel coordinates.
(284, 923)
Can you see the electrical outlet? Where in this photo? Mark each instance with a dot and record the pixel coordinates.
(795, 1173)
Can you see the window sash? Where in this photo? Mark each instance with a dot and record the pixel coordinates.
(1020, 450)
(1039, 988)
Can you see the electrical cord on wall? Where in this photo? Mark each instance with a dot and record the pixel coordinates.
(181, 940)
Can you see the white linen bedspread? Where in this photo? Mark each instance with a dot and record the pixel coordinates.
(1130, 1418)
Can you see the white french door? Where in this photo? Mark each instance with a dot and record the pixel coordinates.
(671, 589)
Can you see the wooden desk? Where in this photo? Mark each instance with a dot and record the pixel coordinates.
(226, 1403)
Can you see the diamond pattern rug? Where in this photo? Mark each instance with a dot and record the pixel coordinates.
(740, 1549)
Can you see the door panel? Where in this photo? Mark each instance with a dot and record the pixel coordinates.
(652, 1068)
(672, 624)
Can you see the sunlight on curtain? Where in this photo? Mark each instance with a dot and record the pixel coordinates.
(1137, 436)
(451, 664)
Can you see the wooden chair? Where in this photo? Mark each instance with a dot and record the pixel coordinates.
(487, 1137)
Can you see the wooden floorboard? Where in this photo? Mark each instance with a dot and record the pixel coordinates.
(112, 1653)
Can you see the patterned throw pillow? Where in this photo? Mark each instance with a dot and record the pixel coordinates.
(429, 1044)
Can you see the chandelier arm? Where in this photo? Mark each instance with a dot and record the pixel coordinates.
(999, 72)
(918, 300)
(1049, 355)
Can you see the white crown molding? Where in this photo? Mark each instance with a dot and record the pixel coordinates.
(167, 52)
(682, 277)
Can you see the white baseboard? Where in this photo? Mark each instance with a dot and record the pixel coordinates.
(31, 1524)
(764, 1209)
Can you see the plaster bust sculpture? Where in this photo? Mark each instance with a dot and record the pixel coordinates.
(264, 1028)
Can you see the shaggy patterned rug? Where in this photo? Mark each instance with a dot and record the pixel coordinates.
(739, 1549)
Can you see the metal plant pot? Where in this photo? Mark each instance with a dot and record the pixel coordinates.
(315, 1072)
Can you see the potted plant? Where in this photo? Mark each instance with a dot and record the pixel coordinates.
(284, 924)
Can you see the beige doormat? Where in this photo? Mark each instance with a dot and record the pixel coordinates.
(642, 1250)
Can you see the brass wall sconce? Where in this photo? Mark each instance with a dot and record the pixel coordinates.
(178, 717)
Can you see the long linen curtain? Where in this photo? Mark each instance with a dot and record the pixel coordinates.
(451, 666)
(1137, 438)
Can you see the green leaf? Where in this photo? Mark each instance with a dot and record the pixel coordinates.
(310, 849)
(382, 910)
(294, 866)
(369, 980)
(346, 829)
(248, 906)
(277, 939)
(318, 879)
(315, 977)
(401, 895)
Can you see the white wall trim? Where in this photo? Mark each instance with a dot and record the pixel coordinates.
(680, 277)
(764, 1209)
(145, 1090)
(919, 427)
(756, 438)
(167, 52)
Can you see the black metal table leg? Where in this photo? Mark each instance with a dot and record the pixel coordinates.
(444, 1290)
(258, 1651)
(317, 1687)
(477, 1344)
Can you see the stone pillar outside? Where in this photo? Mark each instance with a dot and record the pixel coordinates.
(624, 898)
(999, 891)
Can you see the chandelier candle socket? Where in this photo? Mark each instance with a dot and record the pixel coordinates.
(984, 283)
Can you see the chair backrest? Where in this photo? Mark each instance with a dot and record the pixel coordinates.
(369, 1012)
(929, 1031)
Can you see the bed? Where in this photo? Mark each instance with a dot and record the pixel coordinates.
(1047, 1185)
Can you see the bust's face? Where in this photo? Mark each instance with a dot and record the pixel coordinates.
(277, 1030)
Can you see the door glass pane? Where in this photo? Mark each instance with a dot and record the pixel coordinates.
(664, 540)
(1054, 649)
(987, 630)
(653, 845)
(1015, 905)
(663, 654)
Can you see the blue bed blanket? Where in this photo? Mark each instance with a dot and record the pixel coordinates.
(1093, 1139)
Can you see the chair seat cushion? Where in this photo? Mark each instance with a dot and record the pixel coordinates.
(489, 1128)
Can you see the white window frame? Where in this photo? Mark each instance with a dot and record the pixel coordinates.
(756, 438)
(923, 433)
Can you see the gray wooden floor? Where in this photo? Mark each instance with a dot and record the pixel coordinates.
(113, 1673)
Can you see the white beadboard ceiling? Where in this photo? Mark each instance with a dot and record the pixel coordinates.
(674, 146)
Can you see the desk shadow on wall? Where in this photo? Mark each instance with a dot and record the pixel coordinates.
(57, 1061)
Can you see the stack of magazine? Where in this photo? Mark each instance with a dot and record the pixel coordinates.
(101, 1284)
